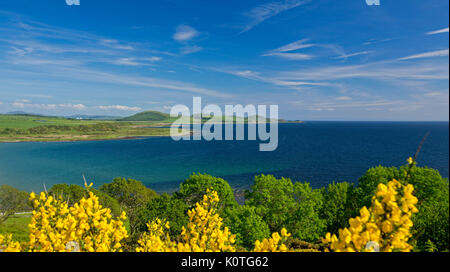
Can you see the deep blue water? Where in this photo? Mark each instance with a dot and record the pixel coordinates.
(316, 152)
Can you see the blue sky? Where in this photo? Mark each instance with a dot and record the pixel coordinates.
(316, 59)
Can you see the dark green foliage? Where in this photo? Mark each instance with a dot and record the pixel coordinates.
(273, 199)
(12, 201)
(338, 205)
(282, 204)
(131, 194)
(74, 193)
(194, 188)
(368, 183)
(246, 224)
(164, 207)
(305, 222)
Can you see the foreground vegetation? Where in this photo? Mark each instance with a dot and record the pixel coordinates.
(401, 209)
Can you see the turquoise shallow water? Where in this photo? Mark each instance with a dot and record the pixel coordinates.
(317, 152)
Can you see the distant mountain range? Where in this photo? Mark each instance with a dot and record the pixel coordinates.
(23, 113)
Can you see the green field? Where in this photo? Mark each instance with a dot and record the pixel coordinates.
(29, 128)
(30, 121)
(17, 225)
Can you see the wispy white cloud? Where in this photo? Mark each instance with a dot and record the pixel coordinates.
(387, 70)
(346, 56)
(256, 76)
(375, 41)
(438, 53)
(119, 107)
(300, 44)
(290, 56)
(116, 44)
(327, 105)
(38, 95)
(136, 61)
(286, 51)
(185, 33)
(343, 98)
(263, 12)
(27, 104)
(190, 49)
(433, 94)
(439, 31)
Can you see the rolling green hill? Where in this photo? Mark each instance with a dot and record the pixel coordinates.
(148, 116)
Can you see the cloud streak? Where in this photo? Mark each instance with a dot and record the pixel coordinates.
(438, 53)
(119, 107)
(261, 13)
(286, 50)
(346, 56)
(444, 30)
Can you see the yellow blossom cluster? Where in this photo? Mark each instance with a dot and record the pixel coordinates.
(385, 226)
(273, 244)
(204, 232)
(87, 226)
(156, 239)
(8, 245)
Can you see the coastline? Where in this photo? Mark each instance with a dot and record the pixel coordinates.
(54, 140)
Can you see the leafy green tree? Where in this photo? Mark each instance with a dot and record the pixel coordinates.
(164, 207)
(368, 183)
(194, 188)
(132, 195)
(73, 193)
(431, 224)
(246, 224)
(338, 205)
(305, 222)
(12, 201)
(273, 200)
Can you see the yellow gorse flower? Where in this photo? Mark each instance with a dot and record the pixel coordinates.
(386, 223)
(274, 243)
(8, 245)
(204, 233)
(410, 160)
(87, 226)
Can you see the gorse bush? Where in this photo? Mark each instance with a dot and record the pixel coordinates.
(56, 227)
(87, 226)
(204, 232)
(386, 224)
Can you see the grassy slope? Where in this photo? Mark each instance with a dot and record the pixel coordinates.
(71, 131)
(17, 225)
(28, 121)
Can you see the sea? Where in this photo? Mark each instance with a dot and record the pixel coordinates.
(316, 152)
